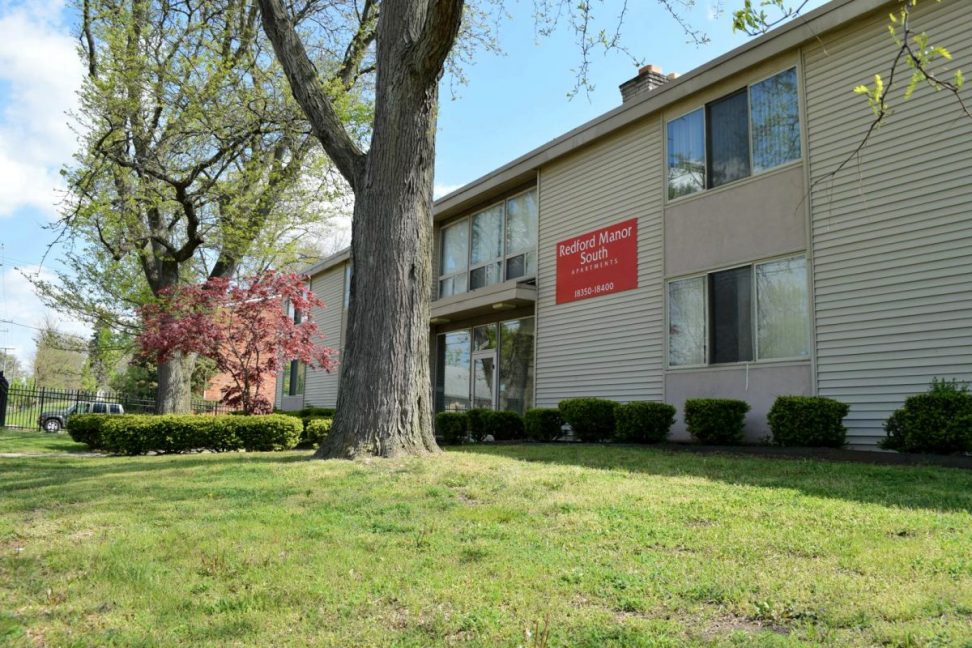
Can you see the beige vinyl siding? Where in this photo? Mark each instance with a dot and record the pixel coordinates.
(608, 346)
(892, 232)
(321, 387)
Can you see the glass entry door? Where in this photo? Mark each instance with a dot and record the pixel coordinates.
(484, 379)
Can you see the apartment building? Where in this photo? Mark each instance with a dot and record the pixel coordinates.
(699, 241)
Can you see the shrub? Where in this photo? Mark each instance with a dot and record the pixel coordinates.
(451, 426)
(812, 421)
(938, 421)
(139, 434)
(644, 422)
(717, 421)
(543, 423)
(317, 412)
(266, 432)
(315, 431)
(474, 417)
(86, 428)
(591, 419)
(504, 426)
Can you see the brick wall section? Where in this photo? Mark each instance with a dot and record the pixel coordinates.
(214, 390)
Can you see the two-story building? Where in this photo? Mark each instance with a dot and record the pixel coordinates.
(699, 240)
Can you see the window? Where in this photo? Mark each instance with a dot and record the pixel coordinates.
(486, 366)
(749, 131)
(293, 378)
(487, 248)
(452, 371)
(730, 312)
(516, 365)
(455, 259)
(775, 120)
(493, 245)
(521, 236)
(347, 285)
(756, 312)
(727, 135)
(686, 154)
(783, 325)
(686, 322)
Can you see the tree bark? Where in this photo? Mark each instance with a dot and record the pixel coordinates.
(385, 399)
(384, 403)
(175, 384)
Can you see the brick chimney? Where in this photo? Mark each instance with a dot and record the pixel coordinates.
(649, 77)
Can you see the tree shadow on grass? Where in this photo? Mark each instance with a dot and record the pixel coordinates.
(29, 473)
(927, 487)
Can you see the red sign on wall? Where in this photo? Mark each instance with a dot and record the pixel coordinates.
(598, 263)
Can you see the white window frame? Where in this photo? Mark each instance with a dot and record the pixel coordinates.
(754, 316)
(504, 257)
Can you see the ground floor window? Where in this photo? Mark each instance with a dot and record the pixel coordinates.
(758, 311)
(293, 378)
(489, 366)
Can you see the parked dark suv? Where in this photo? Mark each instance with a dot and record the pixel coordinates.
(55, 421)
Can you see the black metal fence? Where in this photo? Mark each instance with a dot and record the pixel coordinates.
(30, 407)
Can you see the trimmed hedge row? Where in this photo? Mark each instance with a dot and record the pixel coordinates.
(135, 434)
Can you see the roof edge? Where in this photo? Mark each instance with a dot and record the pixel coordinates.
(793, 34)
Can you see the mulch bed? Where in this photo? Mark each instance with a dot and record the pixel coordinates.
(880, 458)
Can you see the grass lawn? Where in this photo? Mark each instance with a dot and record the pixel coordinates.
(33, 441)
(499, 546)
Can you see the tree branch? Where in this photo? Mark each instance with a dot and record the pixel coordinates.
(442, 22)
(305, 83)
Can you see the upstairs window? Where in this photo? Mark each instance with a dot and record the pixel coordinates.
(496, 244)
(749, 131)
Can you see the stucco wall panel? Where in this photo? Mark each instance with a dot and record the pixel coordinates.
(760, 217)
(759, 385)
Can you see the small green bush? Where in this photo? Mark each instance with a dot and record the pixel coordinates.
(644, 422)
(86, 428)
(140, 434)
(938, 421)
(315, 431)
(451, 426)
(543, 423)
(716, 421)
(809, 421)
(504, 426)
(474, 417)
(591, 419)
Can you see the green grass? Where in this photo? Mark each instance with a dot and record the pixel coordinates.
(500, 546)
(33, 441)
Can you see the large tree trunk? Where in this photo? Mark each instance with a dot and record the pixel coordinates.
(384, 404)
(175, 384)
(385, 400)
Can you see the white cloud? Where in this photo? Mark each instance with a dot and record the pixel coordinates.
(40, 74)
(23, 306)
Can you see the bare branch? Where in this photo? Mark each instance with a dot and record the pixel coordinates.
(305, 83)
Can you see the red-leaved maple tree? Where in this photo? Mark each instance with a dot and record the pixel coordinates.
(243, 326)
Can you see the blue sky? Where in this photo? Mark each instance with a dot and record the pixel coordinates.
(512, 103)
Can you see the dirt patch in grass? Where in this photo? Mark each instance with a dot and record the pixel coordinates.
(730, 623)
